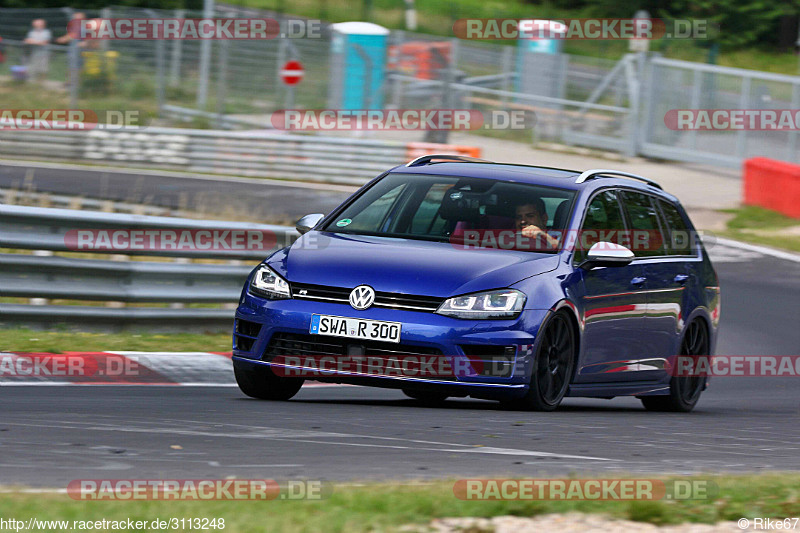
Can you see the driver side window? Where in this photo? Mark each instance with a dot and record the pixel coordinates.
(602, 217)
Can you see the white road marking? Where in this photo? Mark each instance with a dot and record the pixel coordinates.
(720, 253)
(763, 250)
(315, 437)
(216, 464)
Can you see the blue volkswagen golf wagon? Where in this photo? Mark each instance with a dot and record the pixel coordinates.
(452, 277)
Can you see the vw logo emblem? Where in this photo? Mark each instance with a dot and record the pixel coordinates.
(362, 297)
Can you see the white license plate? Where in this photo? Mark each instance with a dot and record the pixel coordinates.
(355, 328)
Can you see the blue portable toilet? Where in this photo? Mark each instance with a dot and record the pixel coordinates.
(358, 65)
(540, 65)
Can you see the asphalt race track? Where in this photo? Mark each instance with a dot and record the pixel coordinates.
(257, 199)
(52, 435)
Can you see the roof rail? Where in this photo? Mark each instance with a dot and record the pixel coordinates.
(593, 173)
(427, 159)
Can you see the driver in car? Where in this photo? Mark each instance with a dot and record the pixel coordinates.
(532, 223)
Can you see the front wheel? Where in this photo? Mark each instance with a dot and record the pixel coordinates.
(684, 391)
(262, 383)
(552, 367)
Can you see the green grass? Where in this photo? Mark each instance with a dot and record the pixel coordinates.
(16, 96)
(28, 340)
(389, 507)
(763, 226)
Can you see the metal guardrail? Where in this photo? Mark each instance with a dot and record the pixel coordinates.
(56, 277)
(39, 228)
(344, 160)
(64, 201)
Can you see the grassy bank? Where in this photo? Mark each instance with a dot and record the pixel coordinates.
(27, 340)
(762, 226)
(390, 507)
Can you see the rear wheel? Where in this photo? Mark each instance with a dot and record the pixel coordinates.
(552, 366)
(262, 383)
(684, 391)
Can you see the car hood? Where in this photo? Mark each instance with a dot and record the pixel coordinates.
(403, 265)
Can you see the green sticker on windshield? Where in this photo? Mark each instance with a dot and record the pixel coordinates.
(344, 222)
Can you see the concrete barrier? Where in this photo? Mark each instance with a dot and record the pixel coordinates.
(773, 185)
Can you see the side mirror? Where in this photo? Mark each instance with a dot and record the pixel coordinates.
(607, 254)
(308, 222)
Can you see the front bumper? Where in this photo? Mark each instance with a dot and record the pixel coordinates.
(427, 331)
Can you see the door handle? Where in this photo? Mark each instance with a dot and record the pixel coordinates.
(638, 281)
(681, 279)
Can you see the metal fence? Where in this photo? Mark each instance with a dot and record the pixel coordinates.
(127, 284)
(596, 102)
(672, 84)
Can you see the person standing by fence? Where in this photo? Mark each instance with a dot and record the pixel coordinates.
(73, 39)
(39, 39)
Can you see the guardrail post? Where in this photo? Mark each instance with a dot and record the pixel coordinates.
(113, 304)
(183, 261)
(40, 301)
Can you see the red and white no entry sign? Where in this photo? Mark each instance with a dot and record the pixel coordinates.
(292, 72)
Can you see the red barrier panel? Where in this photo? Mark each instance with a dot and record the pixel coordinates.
(772, 184)
(418, 149)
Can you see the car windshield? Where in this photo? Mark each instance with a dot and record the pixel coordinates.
(475, 211)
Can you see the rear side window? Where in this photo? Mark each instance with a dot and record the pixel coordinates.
(603, 217)
(679, 238)
(647, 239)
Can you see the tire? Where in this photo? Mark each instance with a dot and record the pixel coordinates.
(684, 391)
(553, 366)
(262, 383)
(426, 397)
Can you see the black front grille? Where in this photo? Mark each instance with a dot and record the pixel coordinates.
(296, 344)
(393, 300)
(392, 355)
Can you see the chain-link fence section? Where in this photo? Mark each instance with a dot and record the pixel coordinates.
(608, 104)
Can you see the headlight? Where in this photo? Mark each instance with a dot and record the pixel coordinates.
(267, 283)
(506, 303)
